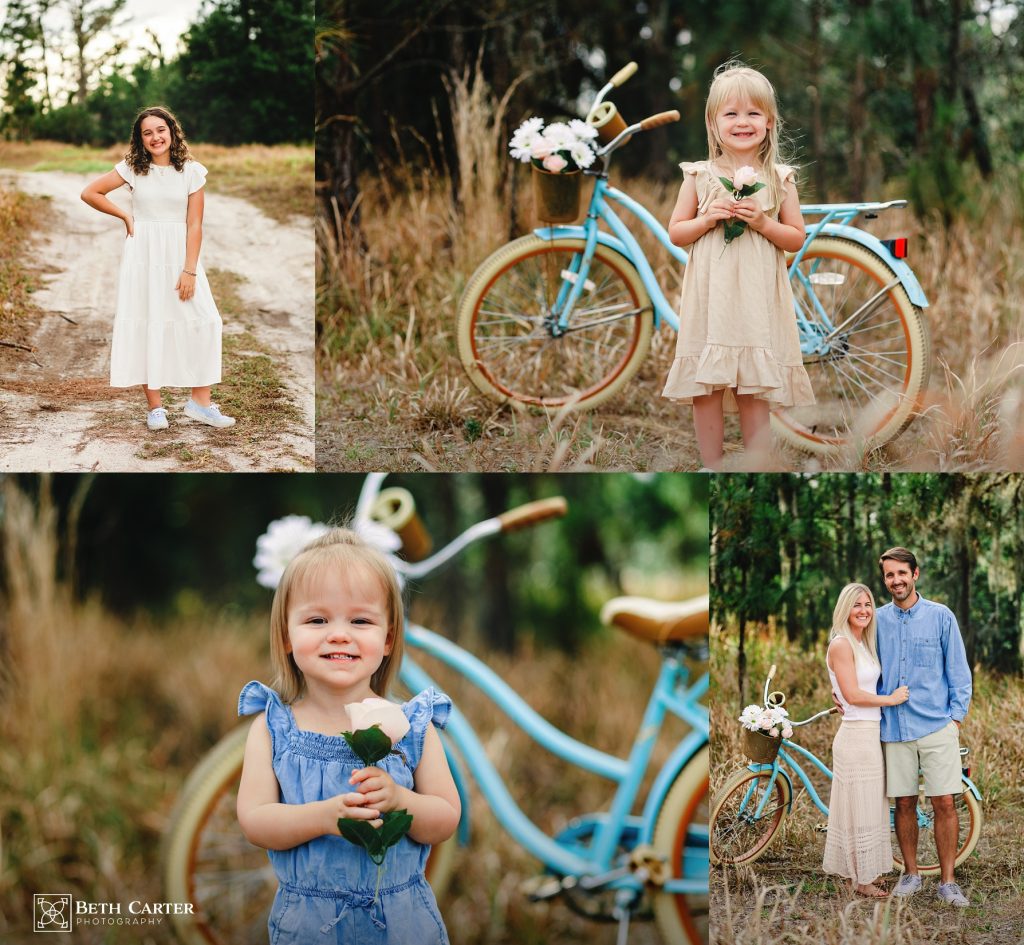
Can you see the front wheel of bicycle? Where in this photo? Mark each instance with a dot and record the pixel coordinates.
(969, 821)
(510, 339)
(746, 814)
(866, 351)
(207, 861)
(681, 835)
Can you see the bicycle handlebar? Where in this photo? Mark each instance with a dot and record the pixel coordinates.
(533, 513)
(656, 121)
(624, 74)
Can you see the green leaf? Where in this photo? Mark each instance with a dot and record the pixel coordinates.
(726, 183)
(362, 834)
(750, 189)
(734, 228)
(396, 825)
(371, 744)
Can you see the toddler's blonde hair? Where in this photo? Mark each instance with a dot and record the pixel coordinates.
(339, 550)
(735, 80)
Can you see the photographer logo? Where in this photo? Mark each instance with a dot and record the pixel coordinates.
(51, 912)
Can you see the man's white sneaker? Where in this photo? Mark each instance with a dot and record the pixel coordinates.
(156, 419)
(210, 415)
(909, 884)
(953, 894)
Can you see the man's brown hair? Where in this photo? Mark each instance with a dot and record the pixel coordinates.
(897, 554)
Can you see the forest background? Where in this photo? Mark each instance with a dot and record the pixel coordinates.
(416, 102)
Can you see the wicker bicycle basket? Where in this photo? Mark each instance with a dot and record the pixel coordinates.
(761, 748)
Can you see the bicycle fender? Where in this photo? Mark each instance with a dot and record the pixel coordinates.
(873, 244)
(971, 785)
(679, 759)
(782, 774)
(459, 777)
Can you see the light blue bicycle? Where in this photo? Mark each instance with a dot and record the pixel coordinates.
(749, 809)
(563, 317)
(614, 864)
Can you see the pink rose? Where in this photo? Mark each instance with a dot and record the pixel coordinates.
(555, 163)
(745, 175)
(387, 715)
(774, 732)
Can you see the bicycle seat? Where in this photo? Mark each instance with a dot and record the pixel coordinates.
(658, 621)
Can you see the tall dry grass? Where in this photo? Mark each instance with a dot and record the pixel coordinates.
(102, 718)
(785, 896)
(392, 393)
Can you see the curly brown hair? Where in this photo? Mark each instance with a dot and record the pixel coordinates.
(138, 158)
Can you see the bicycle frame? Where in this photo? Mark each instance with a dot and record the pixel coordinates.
(670, 694)
(835, 220)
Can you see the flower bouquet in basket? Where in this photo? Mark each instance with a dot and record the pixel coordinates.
(557, 154)
(764, 727)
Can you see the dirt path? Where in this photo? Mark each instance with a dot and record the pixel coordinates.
(57, 412)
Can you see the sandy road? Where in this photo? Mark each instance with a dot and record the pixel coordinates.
(57, 412)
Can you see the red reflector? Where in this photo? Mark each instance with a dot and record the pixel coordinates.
(898, 247)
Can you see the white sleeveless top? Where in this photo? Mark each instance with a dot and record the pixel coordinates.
(868, 674)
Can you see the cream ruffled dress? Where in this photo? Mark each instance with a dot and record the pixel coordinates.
(158, 339)
(737, 329)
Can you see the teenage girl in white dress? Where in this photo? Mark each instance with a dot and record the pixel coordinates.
(167, 330)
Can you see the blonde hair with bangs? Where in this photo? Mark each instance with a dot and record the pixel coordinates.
(841, 622)
(338, 550)
(735, 80)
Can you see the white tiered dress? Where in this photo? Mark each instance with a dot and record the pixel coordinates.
(159, 340)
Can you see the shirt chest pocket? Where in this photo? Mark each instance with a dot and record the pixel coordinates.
(925, 652)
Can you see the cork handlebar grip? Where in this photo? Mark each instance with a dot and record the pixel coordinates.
(533, 513)
(662, 118)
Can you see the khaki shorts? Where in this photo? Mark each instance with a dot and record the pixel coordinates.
(936, 756)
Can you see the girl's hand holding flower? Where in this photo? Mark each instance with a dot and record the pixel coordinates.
(377, 789)
(718, 210)
(750, 212)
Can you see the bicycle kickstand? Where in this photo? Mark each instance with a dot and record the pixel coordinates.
(623, 911)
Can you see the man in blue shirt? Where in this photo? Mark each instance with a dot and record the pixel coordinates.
(919, 646)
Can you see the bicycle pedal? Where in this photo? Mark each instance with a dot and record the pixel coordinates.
(540, 888)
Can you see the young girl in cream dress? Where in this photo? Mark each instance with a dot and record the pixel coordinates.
(738, 347)
(167, 330)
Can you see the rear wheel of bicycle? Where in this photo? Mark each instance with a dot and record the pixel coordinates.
(207, 861)
(969, 821)
(681, 835)
(738, 832)
(872, 366)
(514, 351)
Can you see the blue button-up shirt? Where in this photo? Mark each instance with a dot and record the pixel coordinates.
(921, 648)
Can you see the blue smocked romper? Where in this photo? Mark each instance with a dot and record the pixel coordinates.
(327, 885)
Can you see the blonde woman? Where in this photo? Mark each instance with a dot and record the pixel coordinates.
(738, 347)
(857, 845)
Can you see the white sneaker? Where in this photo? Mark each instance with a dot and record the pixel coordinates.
(210, 415)
(156, 419)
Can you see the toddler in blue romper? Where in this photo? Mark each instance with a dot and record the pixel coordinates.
(327, 885)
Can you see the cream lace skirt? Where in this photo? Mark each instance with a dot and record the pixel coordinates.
(858, 845)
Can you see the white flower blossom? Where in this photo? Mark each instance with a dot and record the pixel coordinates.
(582, 130)
(582, 154)
(282, 541)
(523, 138)
(560, 135)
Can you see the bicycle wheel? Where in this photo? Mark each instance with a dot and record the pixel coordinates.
(509, 340)
(969, 818)
(738, 834)
(870, 356)
(207, 861)
(681, 835)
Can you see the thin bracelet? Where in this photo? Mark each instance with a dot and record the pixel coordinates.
(187, 273)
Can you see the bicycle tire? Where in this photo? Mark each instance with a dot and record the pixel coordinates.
(683, 918)
(203, 840)
(730, 842)
(971, 818)
(579, 369)
(869, 387)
